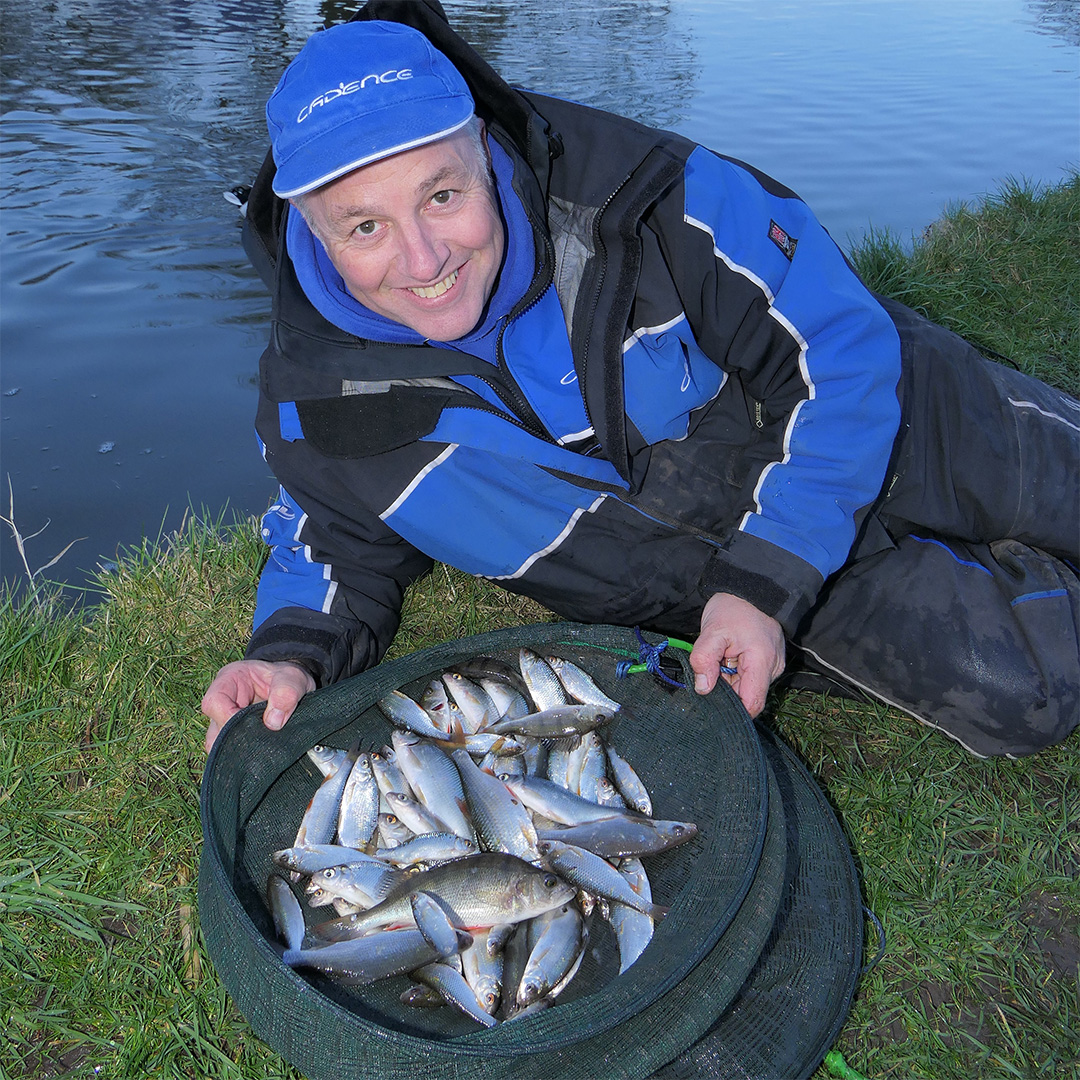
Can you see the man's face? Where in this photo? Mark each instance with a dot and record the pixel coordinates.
(416, 237)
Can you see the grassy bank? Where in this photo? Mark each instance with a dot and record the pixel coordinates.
(972, 866)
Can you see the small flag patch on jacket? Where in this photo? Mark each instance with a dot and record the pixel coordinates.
(785, 243)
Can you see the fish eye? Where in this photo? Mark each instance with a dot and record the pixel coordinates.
(329, 873)
(550, 881)
(678, 830)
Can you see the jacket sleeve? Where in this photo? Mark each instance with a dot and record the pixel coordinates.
(330, 593)
(780, 308)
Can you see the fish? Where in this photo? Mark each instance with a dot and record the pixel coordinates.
(633, 928)
(358, 814)
(307, 859)
(555, 802)
(434, 778)
(361, 884)
(364, 960)
(319, 823)
(555, 723)
(428, 848)
(623, 835)
(285, 911)
(560, 940)
(628, 782)
(456, 991)
(595, 874)
(579, 685)
(544, 686)
(482, 966)
(401, 710)
(326, 758)
(478, 891)
(475, 848)
(501, 821)
(415, 815)
(477, 708)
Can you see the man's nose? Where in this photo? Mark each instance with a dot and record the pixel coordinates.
(422, 253)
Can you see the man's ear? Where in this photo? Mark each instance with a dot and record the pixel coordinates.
(484, 142)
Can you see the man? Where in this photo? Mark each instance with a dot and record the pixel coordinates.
(637, 381)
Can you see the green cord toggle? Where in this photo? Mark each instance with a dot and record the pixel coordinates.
(835, 1063)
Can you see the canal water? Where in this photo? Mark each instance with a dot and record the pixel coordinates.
(131, 325)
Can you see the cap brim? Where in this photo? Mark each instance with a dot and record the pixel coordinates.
(319, 162)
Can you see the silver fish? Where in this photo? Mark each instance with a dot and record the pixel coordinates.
(597, 875)
(477, 708)
(624, 835)
(579, 685)
(433, 922)
(555, 802)
(361, 961)
(593, 766)
(419, 996)
(320, 819)
(286, 912)
(428, 848)
(558, 945)
(308, 859)
(415, 814)
(406, 714)
(633, 928)
(434, 778)
(544, 686)
(502, 823)
(628, 782)
(393, 831)
(483, 970)
(477, 891)
(387, 774)
(507, 700)
(358, 815)
(362, 884)
(607, 794)
(326, 758)
(436, 704)
(555, 723)
(456, 990)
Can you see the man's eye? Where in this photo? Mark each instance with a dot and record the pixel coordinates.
(366, 228)
(442, 197)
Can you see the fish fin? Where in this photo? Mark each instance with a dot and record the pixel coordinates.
(456, 741)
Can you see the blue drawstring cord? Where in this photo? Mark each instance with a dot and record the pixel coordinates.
(649, 659)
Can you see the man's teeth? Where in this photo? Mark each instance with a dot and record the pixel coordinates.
(429, 292)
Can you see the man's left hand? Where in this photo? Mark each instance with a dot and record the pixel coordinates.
(736, 634)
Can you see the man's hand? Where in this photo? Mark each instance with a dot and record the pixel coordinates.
(735, 634)
(281, 685)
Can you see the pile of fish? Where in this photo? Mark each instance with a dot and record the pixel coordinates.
(475, 851)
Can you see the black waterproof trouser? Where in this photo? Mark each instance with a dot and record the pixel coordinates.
(965, 609)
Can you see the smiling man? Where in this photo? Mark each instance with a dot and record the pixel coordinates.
(416, 238)
(636, 380)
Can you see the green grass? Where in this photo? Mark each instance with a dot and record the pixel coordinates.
(972, 866)
(1005, 275)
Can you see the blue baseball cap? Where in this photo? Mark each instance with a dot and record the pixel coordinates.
(356, 93)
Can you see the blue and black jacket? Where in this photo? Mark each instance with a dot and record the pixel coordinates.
(695, 394)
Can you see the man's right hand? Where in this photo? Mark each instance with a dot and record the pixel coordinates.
(281, 685)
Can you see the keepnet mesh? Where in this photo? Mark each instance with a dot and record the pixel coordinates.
(796, 998)
(699, 757)
(765, 887)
